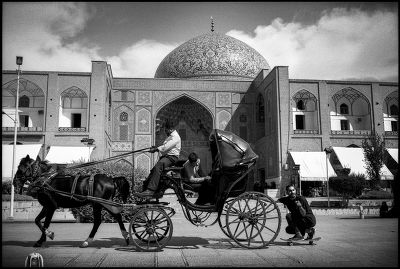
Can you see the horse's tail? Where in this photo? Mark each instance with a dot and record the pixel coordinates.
(123, 187)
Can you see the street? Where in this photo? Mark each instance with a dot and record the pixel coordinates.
(346, 241)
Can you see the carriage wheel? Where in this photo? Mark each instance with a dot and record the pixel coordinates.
(222, 218)
(153, 228)
(253, 220)
(141, 221)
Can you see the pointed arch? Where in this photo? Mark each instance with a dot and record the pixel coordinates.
(305, 100)
(351, 95)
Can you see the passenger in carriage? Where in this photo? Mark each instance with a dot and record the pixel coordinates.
(301, 219)
(193, 175)
(170, 151)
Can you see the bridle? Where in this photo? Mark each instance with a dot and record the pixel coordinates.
(30, 172)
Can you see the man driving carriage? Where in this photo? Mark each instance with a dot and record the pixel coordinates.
(301, 219)
(170, 150)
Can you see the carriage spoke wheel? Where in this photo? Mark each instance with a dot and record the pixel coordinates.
(152, 227)
(222, 218)
(253, 220)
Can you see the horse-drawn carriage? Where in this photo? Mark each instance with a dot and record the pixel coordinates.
(251, 219)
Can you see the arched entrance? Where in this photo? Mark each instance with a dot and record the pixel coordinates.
(193, 123)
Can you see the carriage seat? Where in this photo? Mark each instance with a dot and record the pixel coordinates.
(175, 171)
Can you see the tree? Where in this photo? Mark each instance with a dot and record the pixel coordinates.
(349, 186)
(374, 147)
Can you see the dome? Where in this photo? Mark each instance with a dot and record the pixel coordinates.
(212, 56)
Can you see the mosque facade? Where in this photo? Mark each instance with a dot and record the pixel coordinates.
(211, 81)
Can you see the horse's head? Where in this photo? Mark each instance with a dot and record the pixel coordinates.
(27, 170)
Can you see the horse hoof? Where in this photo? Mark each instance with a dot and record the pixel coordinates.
(127, 241)
(50, 234)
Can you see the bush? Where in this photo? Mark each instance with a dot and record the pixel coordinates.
(85, 213)
(17, 197)
(6, 187)
(348, 186)
(376, 194)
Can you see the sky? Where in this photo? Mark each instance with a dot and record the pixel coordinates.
(316, 40)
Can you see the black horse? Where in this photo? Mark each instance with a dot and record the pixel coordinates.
(54, 190)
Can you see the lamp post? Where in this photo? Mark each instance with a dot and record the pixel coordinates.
(328, 152)
(19, 60)
(88, 142)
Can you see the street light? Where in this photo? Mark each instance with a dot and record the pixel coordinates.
(328, 152)
(19, 61)
(88, 142)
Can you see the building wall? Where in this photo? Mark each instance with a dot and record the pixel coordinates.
(231, 104)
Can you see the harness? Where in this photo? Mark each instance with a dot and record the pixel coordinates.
(89, 188)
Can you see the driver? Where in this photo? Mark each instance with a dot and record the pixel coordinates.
(170, 151)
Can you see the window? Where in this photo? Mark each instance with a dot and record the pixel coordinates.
(124, 95)
(123, 116)
(23, 120)
(23, 101)
(344, 125)
(300, 122)
(76, 120)
(344, 109)
(394, 110)
(123, 132)
(300, 105)
(394, 126)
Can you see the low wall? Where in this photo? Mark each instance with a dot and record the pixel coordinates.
(28, 210)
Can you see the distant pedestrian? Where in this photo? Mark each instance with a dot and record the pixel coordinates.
(383, 210)
(301, 219)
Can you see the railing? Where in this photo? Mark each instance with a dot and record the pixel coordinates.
(71, 129)
(391, 133)
(350, 132)
(306, 132)
(23, 129)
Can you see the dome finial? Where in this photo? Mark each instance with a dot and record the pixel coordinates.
(212, 24)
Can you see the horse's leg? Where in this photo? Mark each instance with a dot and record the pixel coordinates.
(96, 223)
(38, 219)
(47, 221)
(124, 233)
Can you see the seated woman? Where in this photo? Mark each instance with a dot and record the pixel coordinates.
(193, 175)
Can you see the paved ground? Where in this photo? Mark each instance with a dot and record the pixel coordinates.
(347, 241)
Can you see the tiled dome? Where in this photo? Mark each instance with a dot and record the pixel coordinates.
(212, 56)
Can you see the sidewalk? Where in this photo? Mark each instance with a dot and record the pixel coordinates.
(346, 241)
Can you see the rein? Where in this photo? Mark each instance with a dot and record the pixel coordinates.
(107, 159)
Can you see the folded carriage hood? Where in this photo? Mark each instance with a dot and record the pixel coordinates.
(228, 149)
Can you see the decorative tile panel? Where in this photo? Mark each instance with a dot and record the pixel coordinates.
(142, 141)
(143, 121)
(121, 146)
(143, 161)
(224, 99)
(143, 98)
(206, 99)
(223, 119)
